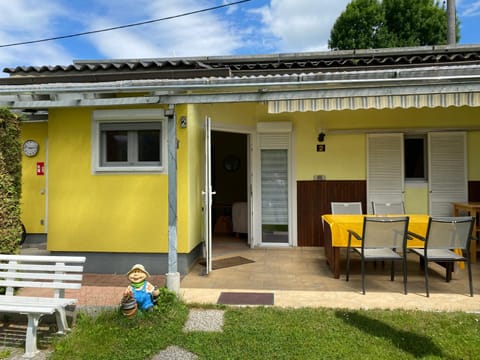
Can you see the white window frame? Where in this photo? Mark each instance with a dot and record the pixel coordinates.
(130, 117)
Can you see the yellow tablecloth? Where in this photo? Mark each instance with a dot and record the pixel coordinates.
(339, 224)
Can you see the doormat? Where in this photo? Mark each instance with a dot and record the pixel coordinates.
(244, 298)
(227, 262)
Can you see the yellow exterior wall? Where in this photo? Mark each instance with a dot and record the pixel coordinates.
(244, 114)
(109, 212)
(345, 141)
(416, 199)
(129, 212)
(189, 166)
(33, 201)
(196, 150)
(99, 212)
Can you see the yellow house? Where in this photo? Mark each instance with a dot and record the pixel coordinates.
(121, 157)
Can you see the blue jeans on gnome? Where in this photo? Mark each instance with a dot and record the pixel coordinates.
(143, 298)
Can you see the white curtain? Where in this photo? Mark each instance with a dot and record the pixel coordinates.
(274, 182)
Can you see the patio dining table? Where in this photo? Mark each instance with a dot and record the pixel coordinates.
(336, 234)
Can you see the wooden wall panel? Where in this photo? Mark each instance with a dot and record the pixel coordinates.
(308, 205)
(313, 200)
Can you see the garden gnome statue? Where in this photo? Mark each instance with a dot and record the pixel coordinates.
(140, 289)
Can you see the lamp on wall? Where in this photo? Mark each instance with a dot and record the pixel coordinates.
(321, 136)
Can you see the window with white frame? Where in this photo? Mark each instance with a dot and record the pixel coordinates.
(129, 140)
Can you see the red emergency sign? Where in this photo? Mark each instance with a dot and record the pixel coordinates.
(40, 168)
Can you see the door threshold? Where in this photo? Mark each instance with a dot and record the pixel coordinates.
(274, 245)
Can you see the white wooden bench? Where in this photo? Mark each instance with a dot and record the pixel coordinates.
(45, 272)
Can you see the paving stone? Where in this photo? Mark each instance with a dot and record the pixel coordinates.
(175, 353)
(204, 320)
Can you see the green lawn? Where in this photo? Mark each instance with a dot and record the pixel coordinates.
(274, 333)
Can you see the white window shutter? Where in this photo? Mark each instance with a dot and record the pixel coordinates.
(385, 168)
(448, 181)
(274, 141)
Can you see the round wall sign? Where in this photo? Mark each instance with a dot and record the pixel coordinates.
(30, 148)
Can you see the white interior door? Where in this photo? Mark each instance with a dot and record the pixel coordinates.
(448, 180)
(207, 198)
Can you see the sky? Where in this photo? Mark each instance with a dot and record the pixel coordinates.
(248, 28)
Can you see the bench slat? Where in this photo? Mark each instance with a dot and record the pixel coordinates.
(37, 267)
(30, 300)
(40, 284)
(40, 276)
(27, 309)
(44, 258)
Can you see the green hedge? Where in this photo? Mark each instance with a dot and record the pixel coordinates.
(10, 181)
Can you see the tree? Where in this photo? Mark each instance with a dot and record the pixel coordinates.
(357, 26)
(390, 23)
(10, 182)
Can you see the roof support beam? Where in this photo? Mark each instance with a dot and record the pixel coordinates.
(172, 278)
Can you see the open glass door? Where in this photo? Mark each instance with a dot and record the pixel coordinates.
(207, 198)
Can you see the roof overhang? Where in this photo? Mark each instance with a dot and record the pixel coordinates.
(438, 86)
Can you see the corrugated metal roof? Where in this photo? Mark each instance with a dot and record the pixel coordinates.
(107, 65)
(303, 82)
(231, 66)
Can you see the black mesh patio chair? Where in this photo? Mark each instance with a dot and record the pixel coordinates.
(346, 208)
(383, 239)
(444, 236)
(385, 208)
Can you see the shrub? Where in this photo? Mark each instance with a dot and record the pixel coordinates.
(168, 302)
(10, 147)
(10, 182)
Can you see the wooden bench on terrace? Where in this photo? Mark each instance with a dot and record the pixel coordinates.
(38, 271)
